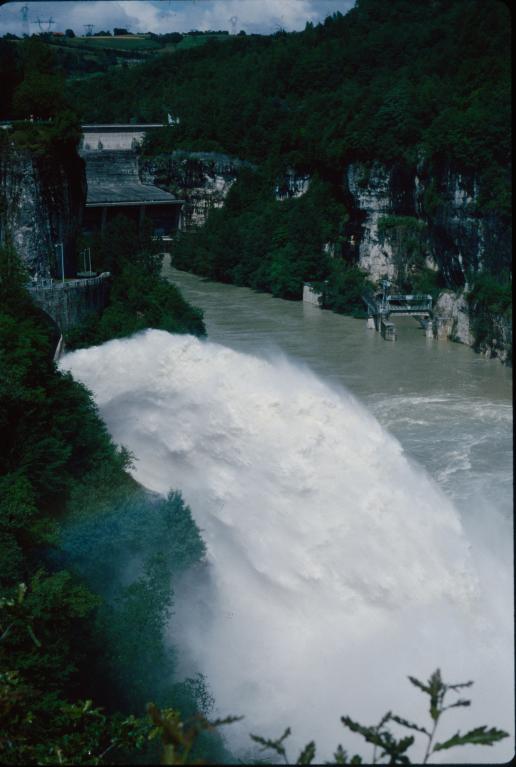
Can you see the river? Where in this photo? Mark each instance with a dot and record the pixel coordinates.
(354, 496)
(450, 408)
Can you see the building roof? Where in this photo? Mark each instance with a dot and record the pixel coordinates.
(122, 192)
(112, 178)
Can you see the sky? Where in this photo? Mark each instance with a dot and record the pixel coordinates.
(253, 16)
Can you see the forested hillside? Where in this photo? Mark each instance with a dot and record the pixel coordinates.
(387, 81)
(416, 94)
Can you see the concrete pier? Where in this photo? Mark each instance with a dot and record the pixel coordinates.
(310, 296)
(388, 330)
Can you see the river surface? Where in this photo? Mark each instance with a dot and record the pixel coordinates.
(451, 411)
(450, 408)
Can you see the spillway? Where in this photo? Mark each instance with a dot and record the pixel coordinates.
(336, 566)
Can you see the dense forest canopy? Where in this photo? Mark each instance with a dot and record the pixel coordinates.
(387, 81)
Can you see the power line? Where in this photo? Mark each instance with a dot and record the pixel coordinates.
(40, 23)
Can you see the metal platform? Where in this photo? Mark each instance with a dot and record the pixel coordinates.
(381, 306)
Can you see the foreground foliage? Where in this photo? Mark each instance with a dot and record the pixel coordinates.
(140, 297)
(394, 749)
(65, 632)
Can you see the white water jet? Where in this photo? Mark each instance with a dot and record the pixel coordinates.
(337, 567)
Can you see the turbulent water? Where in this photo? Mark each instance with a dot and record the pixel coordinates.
(336, 566)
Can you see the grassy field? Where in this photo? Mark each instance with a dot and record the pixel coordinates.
(192, 41)
(122, 42)
(87, 56)
(138, 43)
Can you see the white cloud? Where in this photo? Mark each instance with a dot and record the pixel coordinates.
(262, 16)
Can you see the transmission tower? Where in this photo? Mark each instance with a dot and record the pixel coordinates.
(233, 21)
(25, 20)
(89, 29)
(41, 22)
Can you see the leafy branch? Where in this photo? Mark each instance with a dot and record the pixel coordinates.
(385, 745)
(179, 737)
(437, 691)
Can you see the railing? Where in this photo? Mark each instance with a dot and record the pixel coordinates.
(421, 298)
(48, 283)
(397, 304)
(408, 304)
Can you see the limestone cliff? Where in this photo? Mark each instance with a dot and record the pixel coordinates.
(292, 185)
(201, 179)
(400, 219)
(41, 203)
(403, 218)
(455, 236)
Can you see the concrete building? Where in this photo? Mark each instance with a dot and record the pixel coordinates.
(114, 136)
(114, 186)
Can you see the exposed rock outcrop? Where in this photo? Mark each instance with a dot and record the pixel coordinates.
(499, 342)
(404, 218)
(292, 185)
(201, 179)
(41, 204)
(452, 318)
(459, 240)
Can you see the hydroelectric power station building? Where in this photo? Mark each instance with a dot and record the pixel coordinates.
(114, 186)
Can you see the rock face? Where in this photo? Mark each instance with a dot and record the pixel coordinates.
(371, 192)
(41, 204)
(402, 217)
(457, 239)
(292, 185)
(452, 318)
(499, 344)
(201, 179)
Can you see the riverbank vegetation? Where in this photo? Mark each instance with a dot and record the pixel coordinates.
(70, 516)
(274, 245)
(139, 296)
(490, 300)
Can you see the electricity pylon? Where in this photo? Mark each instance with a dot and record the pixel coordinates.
(40, 23)
(25, 20)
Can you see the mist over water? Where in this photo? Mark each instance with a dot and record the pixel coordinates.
(336, 566)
